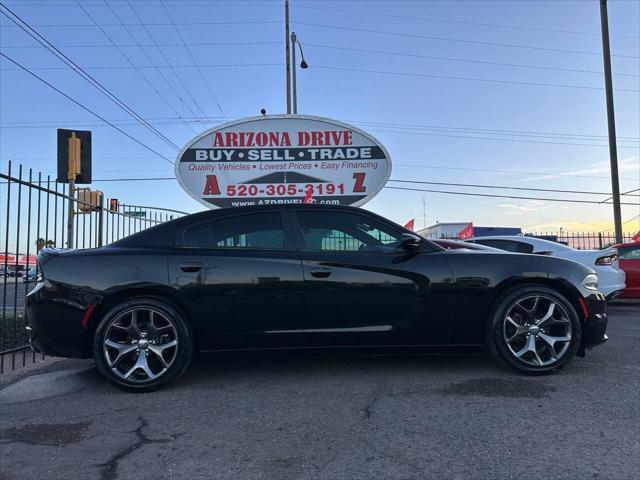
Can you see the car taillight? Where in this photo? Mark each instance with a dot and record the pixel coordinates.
(607, 260)
(39, 276)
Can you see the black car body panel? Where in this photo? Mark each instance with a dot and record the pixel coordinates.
(294, 296)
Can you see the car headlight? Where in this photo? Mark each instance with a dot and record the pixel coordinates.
(590, 281)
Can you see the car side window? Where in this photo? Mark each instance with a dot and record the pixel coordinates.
(629, 253)
(508, 245)
(345, 232)
(195, 236)
(257, 231)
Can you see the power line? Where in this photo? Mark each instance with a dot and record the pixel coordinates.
(149, 24)
(623, 223)
(460, 40)
(506, 187)
(474, 79)
(460, 22)
(130, 62)
(85, 108)
(508, 172)
(562, 200)
(366, 123)
(378, 127)
(79, 71)
(146, 67)
(401, 188)
(138, 44)
(465, 60)
(470, 137)
(186, 89)
(496, 131)
(148, 57)
(204, 80)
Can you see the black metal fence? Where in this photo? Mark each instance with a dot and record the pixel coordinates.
(584, 240)
(34, 211)
(579, 240)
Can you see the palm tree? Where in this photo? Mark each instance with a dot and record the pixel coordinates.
(42, 243)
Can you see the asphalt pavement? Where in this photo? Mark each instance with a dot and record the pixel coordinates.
(335, 417)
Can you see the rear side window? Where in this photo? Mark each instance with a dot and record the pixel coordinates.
(195, 236)
(261, 231)
(508, 245)
(629, 253)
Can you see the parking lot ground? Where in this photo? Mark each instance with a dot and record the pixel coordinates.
(339, 417)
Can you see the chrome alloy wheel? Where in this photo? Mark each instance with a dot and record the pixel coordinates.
(140, 344)
(537, 330)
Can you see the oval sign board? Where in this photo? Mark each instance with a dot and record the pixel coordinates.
(283, 159)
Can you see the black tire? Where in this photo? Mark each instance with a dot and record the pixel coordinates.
(503, 351)
(171, 361)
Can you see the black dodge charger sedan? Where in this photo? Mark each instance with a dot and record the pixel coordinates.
(302, 276)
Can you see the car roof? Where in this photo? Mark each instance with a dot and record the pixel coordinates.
(163, 234)
(626, 244)
(461, 244)
(525, 239)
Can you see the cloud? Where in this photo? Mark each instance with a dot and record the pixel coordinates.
(521, 209)
(628, 165)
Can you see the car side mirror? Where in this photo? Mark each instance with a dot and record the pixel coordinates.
(409, 241)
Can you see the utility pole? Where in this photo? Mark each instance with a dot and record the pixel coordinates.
(287, 54)
(613, 152)
(424, 212)
(73, 171)
(293, 72)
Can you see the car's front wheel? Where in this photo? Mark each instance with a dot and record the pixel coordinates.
(142, 344)
(534, 330)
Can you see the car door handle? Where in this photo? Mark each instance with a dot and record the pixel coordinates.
(320, 272)
(191, 267)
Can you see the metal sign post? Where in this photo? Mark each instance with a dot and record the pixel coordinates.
(73, 171)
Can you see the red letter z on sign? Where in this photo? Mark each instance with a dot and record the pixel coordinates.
(211, 186)
(359, 187)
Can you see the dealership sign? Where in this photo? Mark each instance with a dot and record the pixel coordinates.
(279, 159)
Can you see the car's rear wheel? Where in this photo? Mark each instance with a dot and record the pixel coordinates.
(534, 330)
(142, 344)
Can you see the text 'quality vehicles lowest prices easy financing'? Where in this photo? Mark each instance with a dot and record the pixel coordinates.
(303, 276)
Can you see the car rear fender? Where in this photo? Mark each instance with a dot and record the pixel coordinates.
(115, 297)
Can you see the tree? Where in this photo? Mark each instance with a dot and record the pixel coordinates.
(42, 243)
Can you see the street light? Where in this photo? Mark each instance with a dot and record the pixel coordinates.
(303, 65)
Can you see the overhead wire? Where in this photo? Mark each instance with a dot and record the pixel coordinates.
(130, 62)
(149, 59)
(83, 74)
(202, 77)
(474, 79)
(464, 60)
(459, 40)
(459, 22)
(84, 107)
(507, 187)
(153, 40)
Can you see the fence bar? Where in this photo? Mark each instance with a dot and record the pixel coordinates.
(5, 270)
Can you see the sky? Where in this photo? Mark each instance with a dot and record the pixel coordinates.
(500, 93)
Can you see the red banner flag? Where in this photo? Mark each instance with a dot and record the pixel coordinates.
(466, 232)
(410, 224)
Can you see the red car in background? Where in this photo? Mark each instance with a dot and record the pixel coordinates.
(629, 259)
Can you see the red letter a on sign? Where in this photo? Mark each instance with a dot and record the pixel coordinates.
(211, 187)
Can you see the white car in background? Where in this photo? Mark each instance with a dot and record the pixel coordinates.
(604, 262)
